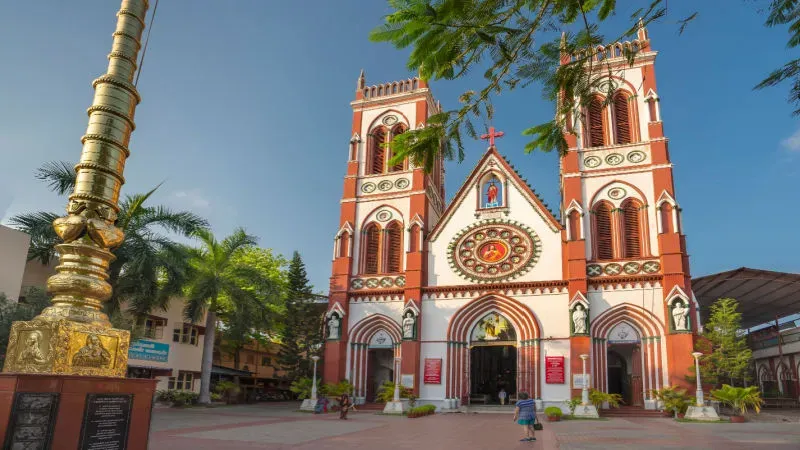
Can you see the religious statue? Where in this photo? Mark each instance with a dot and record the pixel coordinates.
(491, 194)
(93, 354)
(579, 320)
(32, 353)
(333, 327)
(408, 326)
(680, 315)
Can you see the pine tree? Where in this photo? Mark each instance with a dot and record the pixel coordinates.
(727, 357)
(300, 329)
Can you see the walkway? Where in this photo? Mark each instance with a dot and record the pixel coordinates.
(277, 426)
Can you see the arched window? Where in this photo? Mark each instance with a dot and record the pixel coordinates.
(622, 122)
(344, 244)
(377, 154)
(596, 123)
(574, 220)
(398, 166)
(632, 228)
(394, 248)
(414, 236)
(372, 244)
(665, 216)
(603, 231)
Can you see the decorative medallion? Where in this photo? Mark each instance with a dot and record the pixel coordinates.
(357, 283)
(592, 162)
(616, 193)
(390, 120)
(401, 183)
(614, 159)
(383, 215)
(636, 156)
(368, 188)
(651, 266)
(400, 281)
(632, 268)
(385, 185)
(594, 270)
(613, 269)
(372, 283)
(494, 250)
(387, 282)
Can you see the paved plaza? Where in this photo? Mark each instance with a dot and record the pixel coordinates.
(279, 426)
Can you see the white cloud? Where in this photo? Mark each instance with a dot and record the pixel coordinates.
(792, 143)
(192, 198)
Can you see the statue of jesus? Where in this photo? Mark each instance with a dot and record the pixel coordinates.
(579, 320)
(679, 315)
(408, 326)
(491, 194)
(333, 327)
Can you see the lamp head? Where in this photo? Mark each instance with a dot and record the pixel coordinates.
(697, 355)
(315, 358)
(584, 357)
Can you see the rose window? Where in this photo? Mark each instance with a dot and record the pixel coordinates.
(496, 251)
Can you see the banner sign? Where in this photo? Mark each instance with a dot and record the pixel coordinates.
(149, 351)
(433, 371)
(577, 380)
(554, 369)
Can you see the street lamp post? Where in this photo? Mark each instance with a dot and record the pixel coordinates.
(585, 390)
(314, 382)
(699, 393)
(397, 380)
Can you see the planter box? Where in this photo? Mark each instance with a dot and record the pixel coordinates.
(738, 419)
(553, 418)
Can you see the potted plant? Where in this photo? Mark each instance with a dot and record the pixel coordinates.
(675, 400)
(598, 398)
(553, 413)
(741, 399)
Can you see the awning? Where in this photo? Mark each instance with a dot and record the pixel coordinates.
(219, 370)
(763, 295)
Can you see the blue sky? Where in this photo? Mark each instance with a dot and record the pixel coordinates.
(245, 117)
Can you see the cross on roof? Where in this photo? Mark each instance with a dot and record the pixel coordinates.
(491, 135)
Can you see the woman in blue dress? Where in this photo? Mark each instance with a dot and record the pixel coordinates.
(525, 415)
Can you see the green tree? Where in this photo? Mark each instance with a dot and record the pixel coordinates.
(726, 354)
(36, 300)
(779, 13)
(513, 44)
(301, 337)
(148, 263)
(218, 282)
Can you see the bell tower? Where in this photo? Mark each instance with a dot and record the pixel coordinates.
(623, 225)
(387, 209)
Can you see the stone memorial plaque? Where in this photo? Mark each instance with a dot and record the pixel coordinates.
(33, 418)
(106, 422)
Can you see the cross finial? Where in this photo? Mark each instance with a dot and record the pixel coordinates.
(491, 135)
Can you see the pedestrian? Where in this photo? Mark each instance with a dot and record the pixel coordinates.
(344, 405)
(502, 396)
(525, 415)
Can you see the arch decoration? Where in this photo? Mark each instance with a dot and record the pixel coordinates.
(374, 331)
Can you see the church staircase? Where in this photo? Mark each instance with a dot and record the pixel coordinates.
(629, 412)
(371, 407)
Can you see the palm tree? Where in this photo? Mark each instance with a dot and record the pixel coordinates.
(219, 285)
(148, 266)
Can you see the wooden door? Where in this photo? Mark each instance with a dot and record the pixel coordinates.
(637, 395)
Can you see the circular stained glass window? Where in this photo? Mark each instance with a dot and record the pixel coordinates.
(496, 251)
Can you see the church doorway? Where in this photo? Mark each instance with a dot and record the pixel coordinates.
(380, 369)
(624, 365)
(493, 360)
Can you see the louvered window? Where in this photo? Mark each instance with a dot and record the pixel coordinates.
(596, 124)
(394, 248)
(372, 250)
(603, 231)
(574, 226)
(397, 167)
(377, 163)
(631, 218)
(622, 119)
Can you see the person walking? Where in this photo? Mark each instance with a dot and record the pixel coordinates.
(344, 406)
(502, 396)
(525, 415)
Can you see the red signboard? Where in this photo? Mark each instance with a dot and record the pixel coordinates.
(433, 371)
(554, 369)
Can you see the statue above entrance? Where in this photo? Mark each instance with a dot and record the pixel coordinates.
(493, 328)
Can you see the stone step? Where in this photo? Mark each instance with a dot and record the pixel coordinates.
(630, 412)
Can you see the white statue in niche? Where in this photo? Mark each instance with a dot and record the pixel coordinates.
(333, 327)
(579, 319)
(408, 326)
(680, 316)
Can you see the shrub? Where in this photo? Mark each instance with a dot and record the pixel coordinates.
(553, 411)
(572, 404)
(336, 390)
(302, 387)
(177, 398)
(420, 411)
(674, 398)
(739, 398)
(216, 397)
(386, 392)
(227, 390)
(598, 398)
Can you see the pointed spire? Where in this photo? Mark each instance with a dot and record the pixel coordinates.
(641, 31)
(361, 81)
(565, 56)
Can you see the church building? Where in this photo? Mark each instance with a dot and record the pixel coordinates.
(492, 291)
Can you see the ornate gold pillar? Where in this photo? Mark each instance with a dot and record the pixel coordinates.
(74, 336)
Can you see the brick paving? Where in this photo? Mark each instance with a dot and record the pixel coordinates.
(272, 426)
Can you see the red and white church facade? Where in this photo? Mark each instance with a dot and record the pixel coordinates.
(492, 291)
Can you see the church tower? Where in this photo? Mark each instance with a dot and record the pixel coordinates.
(625, 251)
(387, 209)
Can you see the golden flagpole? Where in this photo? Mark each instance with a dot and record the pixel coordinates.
(74, 336)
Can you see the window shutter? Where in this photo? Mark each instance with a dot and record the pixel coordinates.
(596, 123)
(372, 249)
(603, 232)
(622, 119)
(377, 163)
(394, 248)
(631, 220)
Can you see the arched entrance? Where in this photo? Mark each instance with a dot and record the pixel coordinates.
(624, 368)
(524, 347)
(374, 343)
(493, 359)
